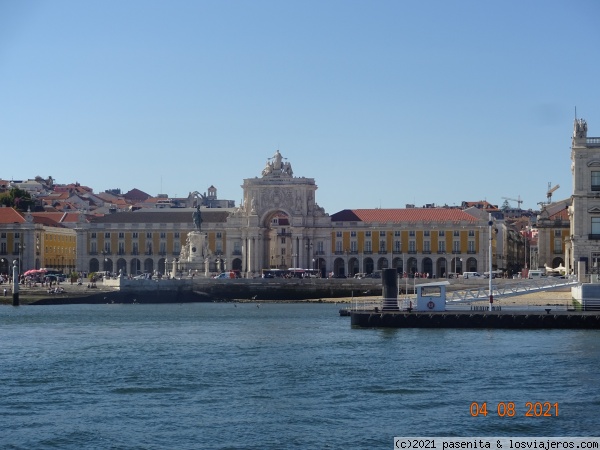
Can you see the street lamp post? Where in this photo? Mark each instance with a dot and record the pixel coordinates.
(308, 246)
(347, 269)
(490, 223)
(21, 251)
(104, 259)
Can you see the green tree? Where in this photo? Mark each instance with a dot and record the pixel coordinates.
(17, 198)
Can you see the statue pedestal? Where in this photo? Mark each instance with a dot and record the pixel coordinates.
(194, 255)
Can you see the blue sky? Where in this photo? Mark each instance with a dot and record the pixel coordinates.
(383, 103)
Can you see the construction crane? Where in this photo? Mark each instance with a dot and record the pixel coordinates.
(550, 191)
(518, 200)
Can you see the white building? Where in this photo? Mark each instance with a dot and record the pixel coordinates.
(583, 244)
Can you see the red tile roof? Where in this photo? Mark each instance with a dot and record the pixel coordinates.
(136, 195)
(11, 215)
(403, 215)
(563, 214)
(46, 221)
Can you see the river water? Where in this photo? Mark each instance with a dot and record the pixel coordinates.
(277, 375)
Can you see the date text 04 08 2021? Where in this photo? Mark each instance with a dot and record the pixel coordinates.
(509, 409)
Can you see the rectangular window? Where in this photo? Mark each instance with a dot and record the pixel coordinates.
(595, 262)
(3, 235)
(471, 233)
(596, 226)
(471, 246)
(397, 233)
(456, 246)
(163, 235)
(135, 235)
(427, 246)
(398, 246)
(426, 233)
(121, 235)
(283, 240)
(353, 234)
(456, 233)
(283, 252)
(412, 246)
(338, 247)
(107, 247)
(176, 235)
(3, 248)
(237, 247)
(176, 247)
(320, 248)
(557, 245)
(338, 234)
(162, 248)
(106, 235)
(557, 233)
(121, 248)
(148, 235)
(17, 235)
(353, 246)
(93, 235)
(368, 246)
(135, 248)
(382, 233)
(441, 233)
(93, 248)
(220, 235)
(442, 246)
(595, 181)
(367, 234)
(411, 233)
(382, 246)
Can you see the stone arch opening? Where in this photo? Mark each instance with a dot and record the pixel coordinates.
(94, 265)
(236, 264)
(398, 264)
(280, 251)
(412, 266)
(135, 267)
(369, 265)
(382, 263)
(427, 265)
(321, 267)
(557, 262)
(122, 266)
(338, 267)
(108, 265)
(472, 265)
(352, 267)
(441, 268)
(148, 265)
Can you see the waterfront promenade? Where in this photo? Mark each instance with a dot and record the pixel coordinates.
(204, 289)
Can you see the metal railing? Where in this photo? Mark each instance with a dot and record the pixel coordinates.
(509, 290)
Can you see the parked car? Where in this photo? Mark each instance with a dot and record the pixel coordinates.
(373, 275)
(467, 275)
(226, 275)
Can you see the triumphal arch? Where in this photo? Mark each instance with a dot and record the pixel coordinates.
(279, 224)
